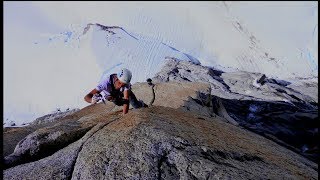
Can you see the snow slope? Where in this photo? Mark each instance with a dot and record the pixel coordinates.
(50, 62)
(116, 48)
(276, 38)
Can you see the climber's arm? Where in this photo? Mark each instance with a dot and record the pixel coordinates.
(88, 97)
(126, 99)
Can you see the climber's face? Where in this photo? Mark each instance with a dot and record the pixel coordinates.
(118, 84)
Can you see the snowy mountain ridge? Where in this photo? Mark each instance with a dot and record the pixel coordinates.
(115, 47)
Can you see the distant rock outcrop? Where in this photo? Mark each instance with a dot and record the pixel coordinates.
(239, 85)
(286, 112)
(54, 116)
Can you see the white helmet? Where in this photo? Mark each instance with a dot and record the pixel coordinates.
(124, 76)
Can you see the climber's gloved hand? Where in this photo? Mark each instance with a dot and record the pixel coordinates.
(96, 98)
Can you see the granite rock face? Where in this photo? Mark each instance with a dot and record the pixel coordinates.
(57, 166)
(166, 143)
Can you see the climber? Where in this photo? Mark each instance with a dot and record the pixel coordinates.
(117, 89)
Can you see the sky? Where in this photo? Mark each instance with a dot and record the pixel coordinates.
(48, 64)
